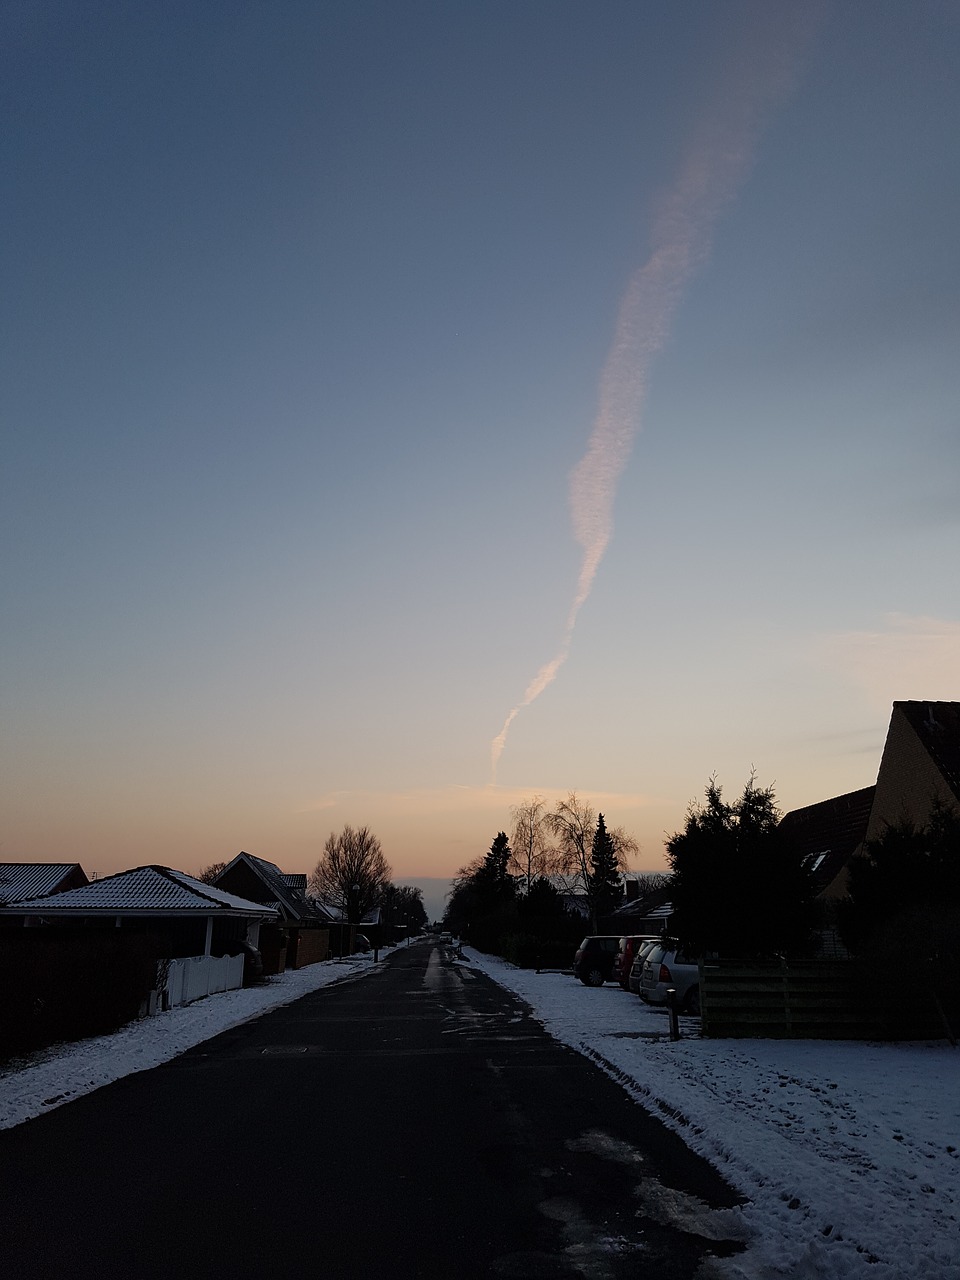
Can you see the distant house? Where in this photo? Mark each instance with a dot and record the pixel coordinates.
(301, 934)
(347, 938)
(649, 913)
(920, 766)
(38, 879)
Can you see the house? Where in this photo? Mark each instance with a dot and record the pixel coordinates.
(38, 879)
(828, 834)
(347, 938)
(649, 913)
(920, 764)
(192, 918)
(919, 767)
(87, 960)
(301, 934)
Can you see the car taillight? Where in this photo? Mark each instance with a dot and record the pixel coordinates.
(665, 974)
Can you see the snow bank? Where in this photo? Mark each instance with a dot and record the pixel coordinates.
(849, 1153)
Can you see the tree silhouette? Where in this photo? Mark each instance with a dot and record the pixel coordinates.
(739, 888)
(604, 890)
(352, 873)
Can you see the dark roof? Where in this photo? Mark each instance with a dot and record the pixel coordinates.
(651, 904)
(937, 725)
(285, 890)
(35, 879)
(146, 891)
(828, 833)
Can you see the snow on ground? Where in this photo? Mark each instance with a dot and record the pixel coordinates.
(848, 1153)
(46, 1079)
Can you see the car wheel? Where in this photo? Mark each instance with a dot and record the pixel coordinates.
(692, 1003)
(592, 977)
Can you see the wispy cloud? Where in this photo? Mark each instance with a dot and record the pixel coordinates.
(716, 161)
(457, 799)
(906, 658)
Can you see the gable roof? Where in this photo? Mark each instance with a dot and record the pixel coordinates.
(828, 833)
(146, 891)
(35, 879)
(937, 725)
(286, 892)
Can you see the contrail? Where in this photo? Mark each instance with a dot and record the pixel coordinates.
(717, 160)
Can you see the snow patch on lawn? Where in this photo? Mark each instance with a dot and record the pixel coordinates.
(848, 1153)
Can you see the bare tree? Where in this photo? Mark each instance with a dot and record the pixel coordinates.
(530, 848)
(352, 873)
(625, 846)
(651, 882)
(209, 874)
(572, 824)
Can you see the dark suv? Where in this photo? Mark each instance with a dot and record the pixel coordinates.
(593, 962)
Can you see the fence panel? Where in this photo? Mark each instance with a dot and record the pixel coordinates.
(197, 976)
(813, 999)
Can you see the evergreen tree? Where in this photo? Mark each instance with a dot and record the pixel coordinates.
(907, 881)
(603, 882)
(482, 904)
(738, 887)
(493, 872)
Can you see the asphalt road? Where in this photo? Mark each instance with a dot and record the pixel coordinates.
(413, 1123)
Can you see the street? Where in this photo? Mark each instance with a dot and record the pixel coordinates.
(413, 1123)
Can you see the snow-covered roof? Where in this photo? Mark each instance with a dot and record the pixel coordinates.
(287, 892)
(150, 890)
(33, 879)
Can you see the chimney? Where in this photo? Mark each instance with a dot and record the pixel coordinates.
(632, 888)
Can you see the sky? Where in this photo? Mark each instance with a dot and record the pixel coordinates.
(409, 409)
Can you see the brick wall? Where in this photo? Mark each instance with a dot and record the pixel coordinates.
(309, 947)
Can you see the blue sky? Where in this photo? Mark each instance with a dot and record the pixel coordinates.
(305, 313)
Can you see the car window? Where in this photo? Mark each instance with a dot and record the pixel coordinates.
(584, 942)
(655, 954)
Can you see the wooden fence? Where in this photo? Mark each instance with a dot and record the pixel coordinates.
(821, 1000)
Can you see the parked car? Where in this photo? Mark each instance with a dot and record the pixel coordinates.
(667, 966)
(624, 959)
(593, 961)
(636, 968)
